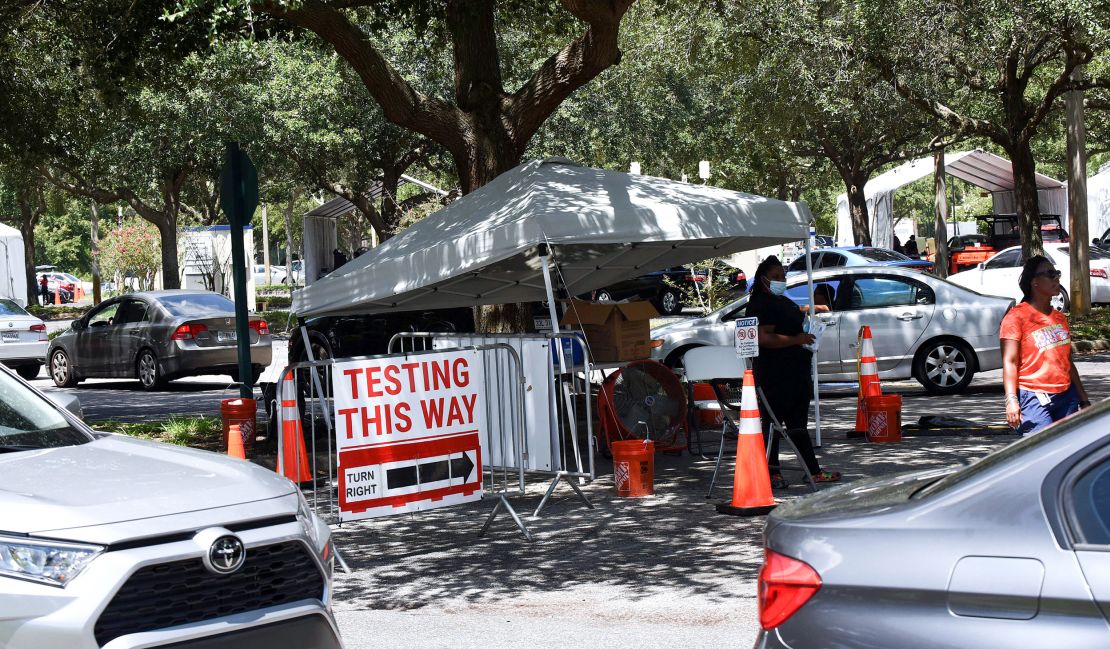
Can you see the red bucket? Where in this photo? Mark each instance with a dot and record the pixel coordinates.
(634, 467)
(884, 418)
(242, 412)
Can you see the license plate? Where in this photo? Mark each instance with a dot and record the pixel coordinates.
(9, 336)
(225, 336)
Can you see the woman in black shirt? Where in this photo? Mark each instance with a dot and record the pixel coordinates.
(783, 367)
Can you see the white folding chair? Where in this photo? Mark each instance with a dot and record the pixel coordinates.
(719, 366)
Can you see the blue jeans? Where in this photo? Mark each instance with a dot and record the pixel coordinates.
(1035, 416)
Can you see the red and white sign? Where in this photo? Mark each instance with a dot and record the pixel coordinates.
(407, 431)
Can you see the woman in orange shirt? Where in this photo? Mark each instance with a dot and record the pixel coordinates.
(1041, 383)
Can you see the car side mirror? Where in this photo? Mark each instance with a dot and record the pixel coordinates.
(77, 325)
(68, 401)
(1096, 241)
(981, 266)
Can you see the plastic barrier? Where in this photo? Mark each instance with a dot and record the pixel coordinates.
(634, 468)
(884, 418)
(241, 413)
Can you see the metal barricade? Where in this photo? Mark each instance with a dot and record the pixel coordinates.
(313, 385)
(552, 413)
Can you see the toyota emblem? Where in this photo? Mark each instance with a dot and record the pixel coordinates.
(225, 556)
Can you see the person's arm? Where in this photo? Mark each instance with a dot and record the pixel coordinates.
(771, 340)
(1084, 401)
(1011, 361)
(817, 308)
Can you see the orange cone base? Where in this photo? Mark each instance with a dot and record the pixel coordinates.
(727, 508)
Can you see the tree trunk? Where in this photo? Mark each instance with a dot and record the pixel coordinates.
(1080, 288)
(167, 231)
(94, 237)
(28, 217)
(390, 210)
(940, 208)
(288, 213)
(857, 206)
(1025, 198)
(266, 242)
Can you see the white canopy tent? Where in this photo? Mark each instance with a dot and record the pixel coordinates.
(601, 227)
(13, 269)
(1098, 201)
(987, 170)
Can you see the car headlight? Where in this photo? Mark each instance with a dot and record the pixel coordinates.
(308, 520)
(48, 562)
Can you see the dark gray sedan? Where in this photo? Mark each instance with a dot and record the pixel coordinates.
(156, 336)
(1011, 551)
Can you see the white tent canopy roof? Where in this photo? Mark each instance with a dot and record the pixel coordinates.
(602, 227)
(980, 168)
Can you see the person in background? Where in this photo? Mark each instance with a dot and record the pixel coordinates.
(822, 299)
(897, 244)
(44, 290)
(1039, 378)
(783, 368)
(910, 249)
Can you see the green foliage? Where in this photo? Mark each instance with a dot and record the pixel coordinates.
(194, 431)
(715, 291)
(133, 249)
(63, 237)
(1095, 326)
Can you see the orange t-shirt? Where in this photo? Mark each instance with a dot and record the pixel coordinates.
(1044, 346)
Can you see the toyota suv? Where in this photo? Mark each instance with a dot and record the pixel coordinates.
(112, 542)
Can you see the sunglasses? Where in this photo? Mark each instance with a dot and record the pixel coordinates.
(1051, 274)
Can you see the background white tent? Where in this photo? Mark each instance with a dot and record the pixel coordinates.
(602, 227)
(987, 170)
(13, 270)
(1098, 202)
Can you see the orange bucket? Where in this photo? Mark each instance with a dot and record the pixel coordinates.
(242, 412)
(634, 467)
(884, 418)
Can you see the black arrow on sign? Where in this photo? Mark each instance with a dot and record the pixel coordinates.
(427, 472)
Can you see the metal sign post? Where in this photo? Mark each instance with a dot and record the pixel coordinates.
(239, 198)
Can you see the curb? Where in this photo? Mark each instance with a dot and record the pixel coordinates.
(1088, 346)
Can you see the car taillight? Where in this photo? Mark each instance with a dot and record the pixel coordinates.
(741, 277)
(1099, 272)
(785, 585)
(260, 327)
(38, 327)
(188, 331)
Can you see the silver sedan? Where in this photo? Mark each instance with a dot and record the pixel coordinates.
(156, 337)
(1011, 551)
(922, 327)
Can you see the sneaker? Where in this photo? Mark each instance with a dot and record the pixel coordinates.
(778, 482)
(826, 476)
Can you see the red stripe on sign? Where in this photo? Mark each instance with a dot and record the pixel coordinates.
(418, 440)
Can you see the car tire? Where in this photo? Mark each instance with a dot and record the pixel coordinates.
(669, 302)
(29, 372)
(944, 366)
(1061, 302)
(146, 370)
(604, 296)
(61, 369)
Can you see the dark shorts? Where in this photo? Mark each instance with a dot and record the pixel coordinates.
(1035, 416)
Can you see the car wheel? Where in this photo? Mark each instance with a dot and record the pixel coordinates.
(29, 372)
(1061, 302)
(944, 366)
(604, 296)
(61, 370)
(669, 302)
(146, 368)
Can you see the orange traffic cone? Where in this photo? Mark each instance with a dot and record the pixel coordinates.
(293, 459)
(751, 484)
(235, 442)
(869, 385)
(58, 295)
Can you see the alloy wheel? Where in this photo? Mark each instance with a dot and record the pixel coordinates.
(946, 366)
(148, 370)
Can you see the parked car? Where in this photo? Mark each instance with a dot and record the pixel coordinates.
(968, 251)
(1004, 231)
(823, 241)
(1103, 241)
(295, 273)
(22, 339)
(277, 274)
(923, 327)
(999, 274)
(858, 256)
(156, 336)
(1010, 551)
(664, 288)
(112, 541)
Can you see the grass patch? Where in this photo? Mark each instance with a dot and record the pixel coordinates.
(196, 432)
(64, 312)
(1095, 326)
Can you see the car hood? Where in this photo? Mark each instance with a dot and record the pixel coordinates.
(861, 497)
(115, 479)
(680, 326)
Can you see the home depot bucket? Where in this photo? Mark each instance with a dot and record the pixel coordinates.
(242, 412)
(634, 467)
(884, 418)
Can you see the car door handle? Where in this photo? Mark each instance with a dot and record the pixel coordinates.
(829, 322)
(906, 317)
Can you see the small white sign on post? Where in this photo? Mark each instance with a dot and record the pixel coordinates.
(747, 337)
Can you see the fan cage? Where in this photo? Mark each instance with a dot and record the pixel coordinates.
(644, 400)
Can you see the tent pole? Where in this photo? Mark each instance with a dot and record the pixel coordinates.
(545, 260)
(813, 315)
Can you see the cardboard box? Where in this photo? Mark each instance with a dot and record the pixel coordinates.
(614, 332)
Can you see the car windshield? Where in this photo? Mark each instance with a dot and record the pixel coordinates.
(192, 305)
(28, 421)
(9, 308)
(878, 254)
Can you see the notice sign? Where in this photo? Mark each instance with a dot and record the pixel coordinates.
(747, 337)
(407, 432)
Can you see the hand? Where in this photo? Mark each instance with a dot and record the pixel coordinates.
(1084, 403)
(804, 339)
(1013, 413)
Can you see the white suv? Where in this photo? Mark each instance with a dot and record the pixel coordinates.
(111, 542)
